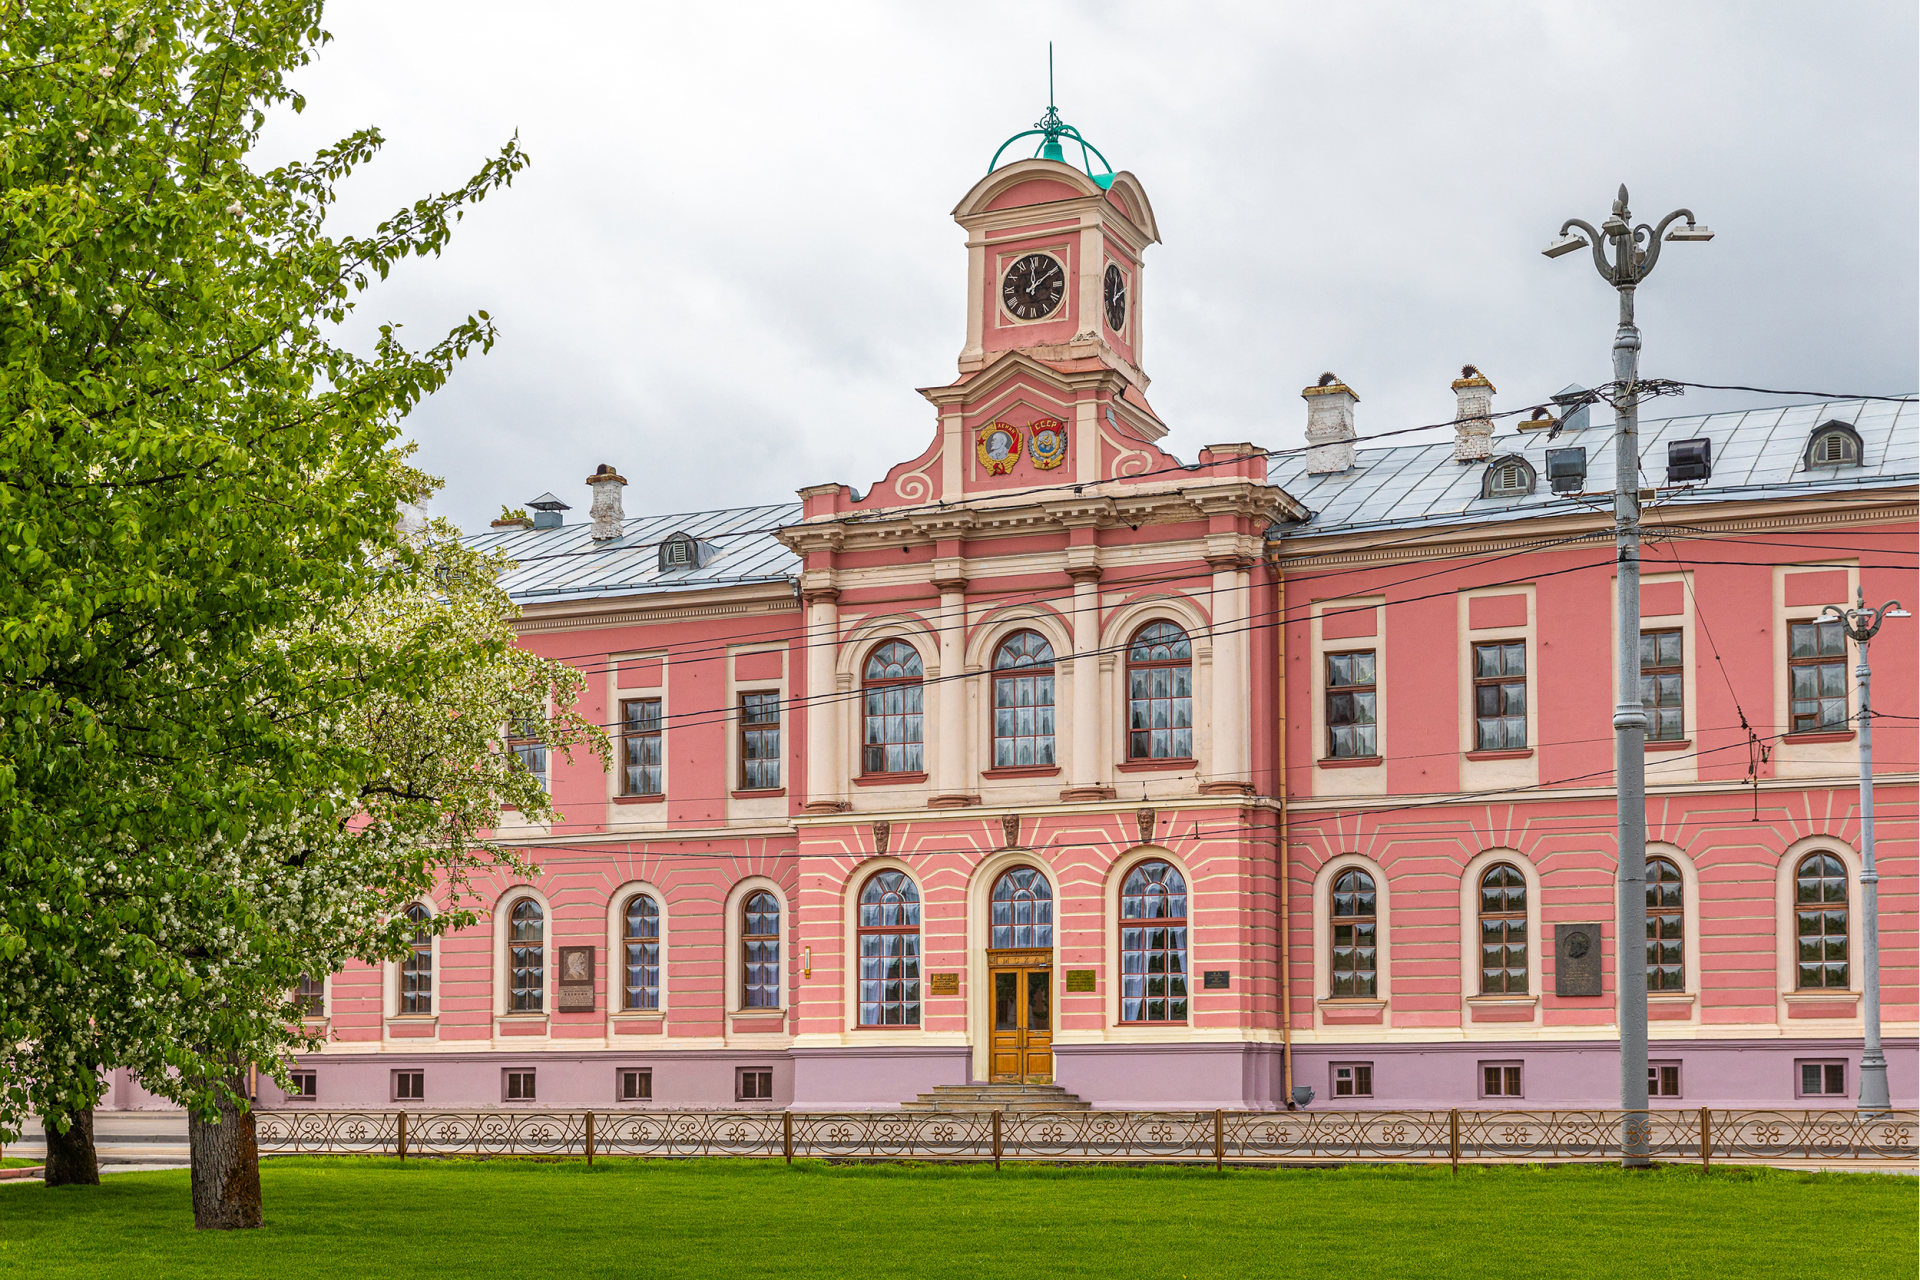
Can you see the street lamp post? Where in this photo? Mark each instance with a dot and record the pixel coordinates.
(1635, 251)
(1861, 623)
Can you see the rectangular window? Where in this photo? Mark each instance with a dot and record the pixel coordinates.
(644, 753)
(1500, 1080)
(1817, 676)
(1500, 695)
(1351, 706)
(409, 1086)
(1663, 1079)
(306, 1084)
(312, 997)
(519, 1086)
(760, 741)
(1353, 1079)
(754, 1084)
(526, 741)
(1662, 684)
(636, 1086)
(1823, 1079)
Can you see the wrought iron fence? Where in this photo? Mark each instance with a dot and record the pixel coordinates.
(1429, 1137)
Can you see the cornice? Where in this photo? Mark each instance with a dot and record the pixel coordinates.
(1408, 802)
(1377, 546)
(622, 617)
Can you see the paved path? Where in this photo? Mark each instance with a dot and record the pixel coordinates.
(125, 1140)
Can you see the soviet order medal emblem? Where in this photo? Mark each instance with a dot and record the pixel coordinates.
(1048, 443)
(999, 447)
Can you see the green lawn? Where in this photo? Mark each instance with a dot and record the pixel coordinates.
(363, 1217)
(19, 1162)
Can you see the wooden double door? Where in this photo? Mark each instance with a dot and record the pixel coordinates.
(1021, 1041)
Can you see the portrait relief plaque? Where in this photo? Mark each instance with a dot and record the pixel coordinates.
(575, 986)
(1216, 979)
(1576, 960)
(1080, 980)
(944, 984)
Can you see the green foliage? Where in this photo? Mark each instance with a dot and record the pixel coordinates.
(756, 1218)
(216, 642)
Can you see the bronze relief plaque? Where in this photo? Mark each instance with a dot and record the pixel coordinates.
(1576, 960)
(575, 985)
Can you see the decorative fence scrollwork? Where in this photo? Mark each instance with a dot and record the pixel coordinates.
(1703, 1136)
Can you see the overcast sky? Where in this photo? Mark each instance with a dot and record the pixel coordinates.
(733, 260)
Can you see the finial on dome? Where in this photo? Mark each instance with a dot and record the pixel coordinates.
(1051, 129)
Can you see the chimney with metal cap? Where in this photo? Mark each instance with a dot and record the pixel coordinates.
(1473, 423)
(1329, 425)
(609, 520)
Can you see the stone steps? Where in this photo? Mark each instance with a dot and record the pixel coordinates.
(997, 1097)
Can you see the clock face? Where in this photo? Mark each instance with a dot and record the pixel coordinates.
(1033, 286)
(1116, 285)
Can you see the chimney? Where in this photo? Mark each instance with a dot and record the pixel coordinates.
(609, 520)
(546, 511)
(1329, 425)
(1473, 423)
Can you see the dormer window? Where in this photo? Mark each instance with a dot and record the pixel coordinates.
(1834, 444)
(1508, 477)
(678, 552)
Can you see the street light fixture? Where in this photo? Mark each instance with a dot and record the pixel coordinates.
(1635, 251)
(1862, 624)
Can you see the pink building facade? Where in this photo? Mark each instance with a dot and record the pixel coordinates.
(1052, 758)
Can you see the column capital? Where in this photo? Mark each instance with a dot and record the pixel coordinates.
(820, 595)
(1084, 572)
(950, 586)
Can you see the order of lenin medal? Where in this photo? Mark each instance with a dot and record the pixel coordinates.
(998, 446)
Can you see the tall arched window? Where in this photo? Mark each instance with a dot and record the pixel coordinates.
(1022, 909)
(760, 943)
(1153, 944)
(640, 935)
(1666, 926)
(527, 957)
(1160, 694)
(894, 734)
(416, 971)
(1503, 931)
(1820, 912)
(1023, 701)
(1355, 943)
(889, 951)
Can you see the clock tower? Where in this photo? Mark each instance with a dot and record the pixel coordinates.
(1054, 259)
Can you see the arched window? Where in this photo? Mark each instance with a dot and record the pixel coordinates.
(1023, 701)
(1160, 694)
(1833, 444)
(1820, 911)
(1503, 931)
(893, 696)
(640, 934)
(527, 957)
(1666, 926)
(1022, 910)
(1355, 942)
(760, 942)
(416, 971)
(889, 951)
(1153, 944)
(1507, 477)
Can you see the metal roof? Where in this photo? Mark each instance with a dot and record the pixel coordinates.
(1755, 452)
(737, 546)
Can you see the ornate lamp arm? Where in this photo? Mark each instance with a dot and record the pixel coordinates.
(1595, 240)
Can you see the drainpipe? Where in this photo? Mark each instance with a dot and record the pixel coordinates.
(1280, 825)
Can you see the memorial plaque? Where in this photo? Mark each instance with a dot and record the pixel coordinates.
(1079, 979)
(943, 984)
(1216, 979)
(575, 987)
(1576, 960)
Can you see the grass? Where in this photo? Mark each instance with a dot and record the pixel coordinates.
(19, 1162)
(742, 1219)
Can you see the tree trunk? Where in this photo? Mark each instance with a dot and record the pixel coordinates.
(226, 1168)
(71, 1159)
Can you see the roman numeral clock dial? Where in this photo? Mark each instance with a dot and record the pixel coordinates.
(1116, 291)
(1033, 286)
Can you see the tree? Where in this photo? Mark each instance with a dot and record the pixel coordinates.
(195, 477)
